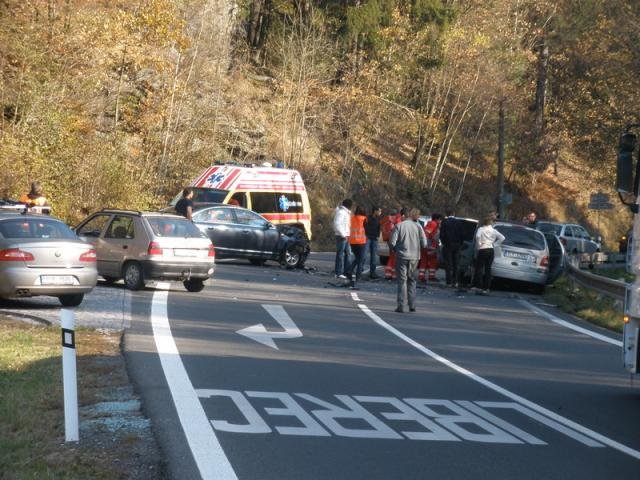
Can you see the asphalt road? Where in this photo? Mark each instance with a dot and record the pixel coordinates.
(467, 387)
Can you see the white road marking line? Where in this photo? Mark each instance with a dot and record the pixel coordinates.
(205, 447)
(568, 325)
(503, 391)
(355, 297)
(259, 333)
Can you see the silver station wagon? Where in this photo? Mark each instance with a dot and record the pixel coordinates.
(140, 246)
(40, 255)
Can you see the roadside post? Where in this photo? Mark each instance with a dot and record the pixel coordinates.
(71, 428)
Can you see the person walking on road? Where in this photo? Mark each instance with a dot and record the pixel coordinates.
(451, 237)
(407, 238)
(372, 230)
(357, 242)
(184, 206)
(341, 229)
(487, 238)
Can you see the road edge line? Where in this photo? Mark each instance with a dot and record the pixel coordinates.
(502, 391)
(205, 447)
(569, 325)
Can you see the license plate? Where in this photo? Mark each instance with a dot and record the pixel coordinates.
(57, 279)
(185, 252)
(520, 256)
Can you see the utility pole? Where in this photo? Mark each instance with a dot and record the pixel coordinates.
(501, 128)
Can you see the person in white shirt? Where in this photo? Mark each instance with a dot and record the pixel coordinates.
(341, 229)
(487, 237)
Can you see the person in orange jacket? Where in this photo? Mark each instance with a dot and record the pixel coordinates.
(357, 242)
(429, 256)
(390, 223)
(35, 197)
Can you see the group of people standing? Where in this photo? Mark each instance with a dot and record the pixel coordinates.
(412, 247)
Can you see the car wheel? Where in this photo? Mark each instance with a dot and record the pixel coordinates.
(383, 260)
(110, 280)
(257, 261)
(133, 276)
(293, 258)
(194, 284)
(71, 300)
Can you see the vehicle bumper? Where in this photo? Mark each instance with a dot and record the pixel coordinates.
(163, 270)
(531, 276)
(26, 282)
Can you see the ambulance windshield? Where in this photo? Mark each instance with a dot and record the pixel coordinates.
(204, 195)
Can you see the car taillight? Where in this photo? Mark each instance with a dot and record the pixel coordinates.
(89, 256)
(15, 255)
(154, 249)
(544, 262)
(212, 252)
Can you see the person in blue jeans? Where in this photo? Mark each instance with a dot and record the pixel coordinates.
(341, 229)
(372, 230)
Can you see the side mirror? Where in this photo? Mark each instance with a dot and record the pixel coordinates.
(269, 226)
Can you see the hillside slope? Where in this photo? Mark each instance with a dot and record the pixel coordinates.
(118, 104)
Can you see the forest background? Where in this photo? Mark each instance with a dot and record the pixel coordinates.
(391, 102)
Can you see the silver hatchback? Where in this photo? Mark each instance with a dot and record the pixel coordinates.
(140, 246)
(523, 256)
(40, 255)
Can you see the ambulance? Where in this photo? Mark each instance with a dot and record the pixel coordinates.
(278, 194)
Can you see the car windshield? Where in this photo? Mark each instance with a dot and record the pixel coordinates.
(33, 228)
(204, 195)
(173, 227)
(516, 236)
(550, 228)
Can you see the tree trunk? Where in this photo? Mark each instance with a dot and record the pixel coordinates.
(500, 193)
(541, 89)
(260, 11)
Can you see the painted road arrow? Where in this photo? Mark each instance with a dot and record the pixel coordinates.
(260, 334)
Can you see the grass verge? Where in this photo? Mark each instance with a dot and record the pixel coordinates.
(32, 409)
(586, 304)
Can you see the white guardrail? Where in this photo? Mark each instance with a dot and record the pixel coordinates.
(615, 289)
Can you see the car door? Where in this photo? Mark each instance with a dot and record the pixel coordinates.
(587, 244)
(119, 243)
(91, 231)
(260, 237)
(219, 224)
(557, 258)
(571, 244)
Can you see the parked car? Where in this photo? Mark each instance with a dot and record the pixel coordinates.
(237, 232)
(41, 255)
(524, 256)
(141, 246)
(575, 238)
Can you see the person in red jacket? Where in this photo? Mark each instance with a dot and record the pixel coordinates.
(357, 242)
(429, 256)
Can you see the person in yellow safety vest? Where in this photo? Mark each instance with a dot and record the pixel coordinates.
(358, 242)
(35, 197)
(390, 267)
(429, 256)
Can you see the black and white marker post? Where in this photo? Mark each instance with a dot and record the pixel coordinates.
(67, 321)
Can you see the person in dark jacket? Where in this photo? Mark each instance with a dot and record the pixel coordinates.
(451, 237)
(372, 230)
(184, 206)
